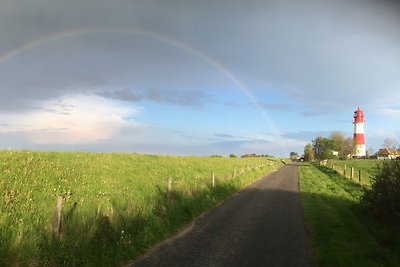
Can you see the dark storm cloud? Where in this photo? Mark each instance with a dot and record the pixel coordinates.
(170, 97)
(321, 53)
(123, 94)
(182, 98)
(57, 108)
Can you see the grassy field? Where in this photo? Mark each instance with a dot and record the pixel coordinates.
(367, 167)
(342, 234)
(114, 205)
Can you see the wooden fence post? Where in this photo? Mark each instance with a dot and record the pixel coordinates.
(169, 187)
(359, 176)
(344, 170)
(57, 229)
(352, 173)
(213, 179)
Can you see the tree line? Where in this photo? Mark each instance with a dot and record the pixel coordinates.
(337, 145)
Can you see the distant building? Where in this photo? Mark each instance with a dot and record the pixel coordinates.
(386, 153)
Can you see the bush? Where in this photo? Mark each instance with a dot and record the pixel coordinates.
(383, 199)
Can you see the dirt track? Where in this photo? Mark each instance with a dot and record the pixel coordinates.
(262, 225)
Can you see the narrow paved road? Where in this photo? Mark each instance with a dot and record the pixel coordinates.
(262, 225)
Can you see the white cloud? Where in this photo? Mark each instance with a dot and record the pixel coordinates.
(390, 112)
(73, 120)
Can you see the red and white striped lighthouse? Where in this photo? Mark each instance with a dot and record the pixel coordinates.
(359, 140)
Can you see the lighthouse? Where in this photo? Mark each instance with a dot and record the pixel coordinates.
(359, 133)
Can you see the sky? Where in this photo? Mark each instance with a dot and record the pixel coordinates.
(185, 77)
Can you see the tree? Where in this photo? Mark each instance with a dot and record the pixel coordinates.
(323, 148)
(343, 145)
(370, 152)
(349, 148)
(308, 153)
(293, 156)
(338, 140)
(390, 143)
(383, 199)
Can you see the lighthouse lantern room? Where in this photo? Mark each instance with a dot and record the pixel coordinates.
(359, 133)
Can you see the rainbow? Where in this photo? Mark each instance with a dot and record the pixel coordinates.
(154, 36)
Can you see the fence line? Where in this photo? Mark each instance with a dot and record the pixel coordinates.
(235, 173)
(343, 171)
(57, 223)
(169, 194)
(169, 189)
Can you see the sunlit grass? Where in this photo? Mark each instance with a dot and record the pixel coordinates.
(114, 205)
(342, 234)
(366, 166)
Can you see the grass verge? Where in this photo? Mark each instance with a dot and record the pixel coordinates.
(342, 234)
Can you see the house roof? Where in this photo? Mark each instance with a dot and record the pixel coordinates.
(387, 152)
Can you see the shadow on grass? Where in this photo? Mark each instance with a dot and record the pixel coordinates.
(343, 233)
(110, 238)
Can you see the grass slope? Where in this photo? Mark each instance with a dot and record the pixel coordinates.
(114, 205)
(342, 234)
(367, 167)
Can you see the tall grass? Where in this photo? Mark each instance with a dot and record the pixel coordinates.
(114, 205)
(342, 234)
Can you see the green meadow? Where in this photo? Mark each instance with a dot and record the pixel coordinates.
(343, 234)
(114, 205)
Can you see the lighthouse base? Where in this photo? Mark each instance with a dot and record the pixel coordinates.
(360, 151)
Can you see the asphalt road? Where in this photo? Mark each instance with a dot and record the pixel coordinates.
(262, 225)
